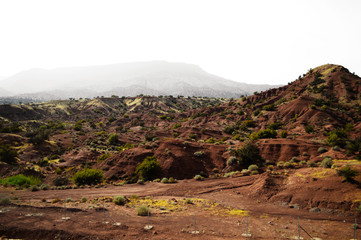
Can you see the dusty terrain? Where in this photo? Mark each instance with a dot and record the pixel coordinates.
(219, 207)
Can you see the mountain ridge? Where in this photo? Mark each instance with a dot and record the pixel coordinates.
(157, 76)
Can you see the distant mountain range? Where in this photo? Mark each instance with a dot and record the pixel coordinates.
(127, 79)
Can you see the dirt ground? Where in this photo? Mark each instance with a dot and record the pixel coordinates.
(216, 209)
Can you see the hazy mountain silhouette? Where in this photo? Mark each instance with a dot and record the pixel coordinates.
(127, 79)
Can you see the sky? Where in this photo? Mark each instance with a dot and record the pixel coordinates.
(260, 41)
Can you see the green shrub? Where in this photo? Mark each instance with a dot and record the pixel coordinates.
(199, 154)
(349, 127)
(248, 123)
(78, 125)
(44, 187)
(256, 112)
(327, 162)
(245, 172)
(211, 140)
(88, 176)
(312, 164)
(198, 178)
(288, 165)
(172, 180)
(354, 147)
(249, 154)
(230, 174)
(7, 154)
(22, 181)
(164, 180)
(103, 157)
(254, 172)
(177, 125)
(140, 181)
(143, 211)
(156, 180)
(337, 137)
(119, 200)
(309, 128)
(275, 125)
(148, 169)
(322, 150)
(253, 167)
(5, 201)
(294, 160)
(188, 201)
(39, 136)
(265, 133)
(283, 134)
(230, 129)
(150, 136)
(60, 181)
(113, 139)
(83, 199)
(347, 173)
(192, 136)
(336, 148)
(280, 164)
(232, 160)
(68, 200)
(270, 107)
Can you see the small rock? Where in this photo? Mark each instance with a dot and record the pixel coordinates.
(148, 227)
(315, 209)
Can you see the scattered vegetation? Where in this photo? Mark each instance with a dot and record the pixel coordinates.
(88, 176)
(198, 177)
(199, 154)
(143, 211)
(8, 154)
(283, 134)
(275, 126)
(21, 181)
(322, 150)
(309, 128)
(337, 137)
(113, 139)
(5, 201)
(249, 154)
(327, 162)
(148, 169)
(348, 173)
(265, 133)
(61, 181)
(119, 200)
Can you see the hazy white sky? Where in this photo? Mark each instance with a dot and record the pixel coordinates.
(249, 41)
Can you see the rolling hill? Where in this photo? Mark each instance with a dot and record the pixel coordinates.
(298, 136)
